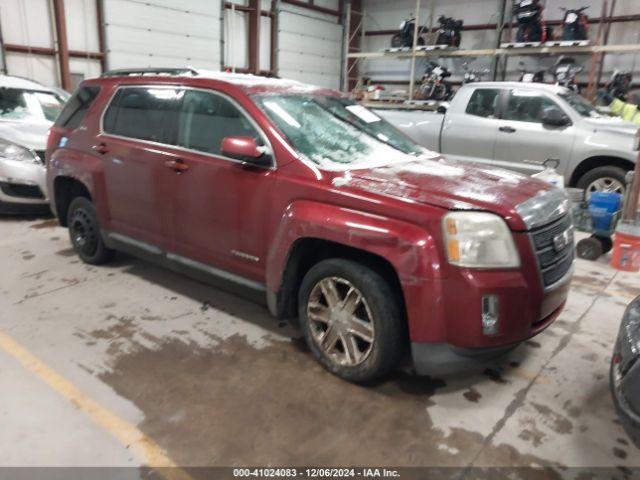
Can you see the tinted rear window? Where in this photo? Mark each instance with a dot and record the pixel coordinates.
(138, 112)
(77, 107)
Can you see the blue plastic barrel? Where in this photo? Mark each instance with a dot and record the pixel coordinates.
(602, 207)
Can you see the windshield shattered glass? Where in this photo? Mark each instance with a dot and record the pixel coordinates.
(19, 104)
(336, 133)
(580, 105)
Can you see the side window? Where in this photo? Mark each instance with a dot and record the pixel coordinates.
(528, 106)
(77, 107)
(206, 118)
(484, 103)
(137, 112)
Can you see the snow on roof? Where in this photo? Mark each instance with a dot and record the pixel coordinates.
(7, 81)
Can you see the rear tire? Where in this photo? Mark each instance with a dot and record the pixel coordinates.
(351, 320)
(84, 232)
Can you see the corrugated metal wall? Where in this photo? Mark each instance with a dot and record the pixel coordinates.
(310, 46)
(160, 33)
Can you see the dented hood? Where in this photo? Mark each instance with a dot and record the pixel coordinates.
(522, 201)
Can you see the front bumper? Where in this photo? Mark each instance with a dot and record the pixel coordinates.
(22, 185)
(625, 372)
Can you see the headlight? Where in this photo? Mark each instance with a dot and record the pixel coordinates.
(13, 151)
(479, 240)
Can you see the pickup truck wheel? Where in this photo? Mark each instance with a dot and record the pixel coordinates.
(351, 320)
(84, 232)
(603, 179)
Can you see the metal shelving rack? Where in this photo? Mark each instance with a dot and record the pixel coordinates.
(597, 51)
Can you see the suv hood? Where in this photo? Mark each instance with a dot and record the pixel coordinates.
(522, 201)
(30, 134)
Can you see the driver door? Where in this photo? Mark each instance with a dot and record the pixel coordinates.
(221, 206)
(524, 143)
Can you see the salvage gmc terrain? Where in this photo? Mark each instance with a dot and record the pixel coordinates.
(375, 243)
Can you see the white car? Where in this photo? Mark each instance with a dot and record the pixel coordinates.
(27, 110)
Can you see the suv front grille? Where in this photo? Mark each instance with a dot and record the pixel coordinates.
(554, 249)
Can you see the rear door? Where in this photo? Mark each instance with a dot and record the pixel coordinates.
(470, 134)
(524, 143)
(137, 182)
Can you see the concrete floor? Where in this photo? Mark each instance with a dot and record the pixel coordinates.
(130, 364)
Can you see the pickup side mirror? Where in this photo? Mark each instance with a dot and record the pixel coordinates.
(441, 109)
(245, 149)
(555, 117)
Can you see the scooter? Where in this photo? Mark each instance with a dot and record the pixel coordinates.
(404, 39)
(531, 26)
(433, 86)
(565, 72)
(449, 32)
(528, 77)
(473, 76)
(575, 24)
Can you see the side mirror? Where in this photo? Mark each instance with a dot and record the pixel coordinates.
(245, 149)
(554, 117)
(441, 109)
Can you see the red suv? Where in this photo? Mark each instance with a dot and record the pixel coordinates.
(315, 202)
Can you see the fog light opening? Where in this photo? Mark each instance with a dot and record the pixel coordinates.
(490, 315)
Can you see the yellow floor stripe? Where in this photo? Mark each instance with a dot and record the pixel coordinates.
(127, 434)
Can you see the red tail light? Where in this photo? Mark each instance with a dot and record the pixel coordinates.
(53, 140)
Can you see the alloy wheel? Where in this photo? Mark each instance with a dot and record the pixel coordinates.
(606, 184)
(341, 322)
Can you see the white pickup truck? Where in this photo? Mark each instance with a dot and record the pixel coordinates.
(521, 125)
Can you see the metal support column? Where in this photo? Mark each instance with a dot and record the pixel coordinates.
(495, 61)
(63, 46)
(416, 34)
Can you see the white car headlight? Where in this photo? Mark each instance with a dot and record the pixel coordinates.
(16, 152)
(479, 240)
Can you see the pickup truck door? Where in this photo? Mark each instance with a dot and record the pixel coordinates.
(471, 135)
(524, 143)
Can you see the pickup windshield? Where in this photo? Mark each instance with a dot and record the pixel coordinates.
(334, 132)
(580, 105)
(19, 104)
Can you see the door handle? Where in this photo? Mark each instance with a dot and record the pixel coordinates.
(101, 148)
(177, 165)
(507, 129)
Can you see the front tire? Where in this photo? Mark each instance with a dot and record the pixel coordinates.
(84, 232)
(351, 320)
(603, 179)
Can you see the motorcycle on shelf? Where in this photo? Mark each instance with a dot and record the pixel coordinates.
(529, 77)
(450, 31)
(404, 38)
(575, 24)
(565, 72)
(531, 26)
(473, 76)
(434, 86)
(619, 84)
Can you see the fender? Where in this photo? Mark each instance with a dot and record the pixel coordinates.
(87, 170)
(411, 250)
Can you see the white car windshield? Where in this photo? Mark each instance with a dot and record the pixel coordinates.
(20, 104)
(336, 133)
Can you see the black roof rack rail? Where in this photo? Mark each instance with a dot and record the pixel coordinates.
(127, 72)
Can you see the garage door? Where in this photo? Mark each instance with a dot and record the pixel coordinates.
(162, 33)
(309, 46)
